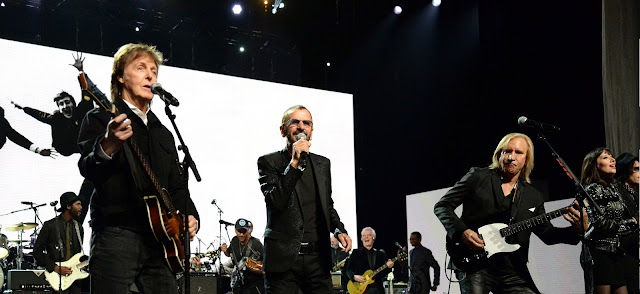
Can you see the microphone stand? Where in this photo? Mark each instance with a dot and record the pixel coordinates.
(55, 212)
(585, 257)
(185, 165)
(220, 212)
(36, 219)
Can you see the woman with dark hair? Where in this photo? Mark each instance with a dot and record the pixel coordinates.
(605, 230)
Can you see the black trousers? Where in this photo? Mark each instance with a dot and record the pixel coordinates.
(123, 260)
(500, 276)
(306, 275)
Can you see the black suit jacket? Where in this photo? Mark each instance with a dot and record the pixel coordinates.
(117, 198)
(358, 264)
(284, 215)
(50, 245)
(421, 259)
(480, 191)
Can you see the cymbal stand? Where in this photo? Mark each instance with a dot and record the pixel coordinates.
(20, 257)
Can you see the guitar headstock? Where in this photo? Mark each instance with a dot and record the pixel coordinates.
(402, 256)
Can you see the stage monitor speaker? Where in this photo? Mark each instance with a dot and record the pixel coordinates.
(202, 282)
(27, 292)
(27, 280)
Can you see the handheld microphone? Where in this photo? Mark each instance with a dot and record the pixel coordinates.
(53, 203)
(226, 223)
(157, 89)
(27, 202)
(524, 121)
(303, 155)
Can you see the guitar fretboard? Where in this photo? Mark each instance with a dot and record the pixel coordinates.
(532, 222)
(401, 256)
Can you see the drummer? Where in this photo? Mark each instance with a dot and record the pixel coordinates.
(61, 238)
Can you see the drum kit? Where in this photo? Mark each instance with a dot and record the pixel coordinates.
(12, 254)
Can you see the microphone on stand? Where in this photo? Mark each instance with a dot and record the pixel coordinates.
(27, 202)
(157, 89)
(226, 223)
(53, 203)
(399, 246)
(540, 126)
(213, 202)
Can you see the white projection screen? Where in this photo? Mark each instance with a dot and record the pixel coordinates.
(227, 123)
(554, 268)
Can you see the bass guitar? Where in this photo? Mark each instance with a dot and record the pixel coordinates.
(494, 237)
(359, 288)
(165, 221)
(57, 282)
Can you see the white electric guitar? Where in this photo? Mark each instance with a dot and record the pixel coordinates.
(76, 266)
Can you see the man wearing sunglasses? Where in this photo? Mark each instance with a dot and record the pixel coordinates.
(297, 188)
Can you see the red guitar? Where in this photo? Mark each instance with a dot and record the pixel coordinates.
(165, 221)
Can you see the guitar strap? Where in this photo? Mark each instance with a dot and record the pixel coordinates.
(135, 168)
(75, 224)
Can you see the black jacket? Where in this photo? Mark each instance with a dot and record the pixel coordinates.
(480, 192)
(284, 215)
(117, 200)
(50, 245)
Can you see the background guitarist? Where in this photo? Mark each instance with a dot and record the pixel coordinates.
(368, 258)
(124, 251)
(499, 194)
(241, 246)
(58, 239)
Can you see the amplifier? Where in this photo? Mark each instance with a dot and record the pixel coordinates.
(27, 292)
(201, 282)
(27, 280)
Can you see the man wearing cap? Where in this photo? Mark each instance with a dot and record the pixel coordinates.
(61, 238)
(296, 186)
(244, 246)
(628, 176)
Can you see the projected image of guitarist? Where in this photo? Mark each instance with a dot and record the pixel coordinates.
(59, 240)
(367, 266)
(246, 254)
(493, 198)
(140, 188)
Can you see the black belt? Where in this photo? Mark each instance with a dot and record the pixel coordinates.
(308, 248)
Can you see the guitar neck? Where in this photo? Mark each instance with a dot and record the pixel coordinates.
(152, 177)
(378, 270)
(532, 222)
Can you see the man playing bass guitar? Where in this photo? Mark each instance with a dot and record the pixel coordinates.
(132, 160)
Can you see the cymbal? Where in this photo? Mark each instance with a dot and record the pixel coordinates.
(20, 227)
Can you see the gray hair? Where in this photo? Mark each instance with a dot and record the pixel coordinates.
(373, 232)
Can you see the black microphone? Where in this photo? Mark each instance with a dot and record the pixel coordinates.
(157, 89)
(303, 155)
(226, 223)
(399, 246)
(27, 202)
(213, 202)
(53, 203)
(524, 121)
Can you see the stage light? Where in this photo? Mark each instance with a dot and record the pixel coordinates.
(137, 28)
(237, 9)
(266, 2)
(328, 64)
(241, 49)
(281, 5)
(397, 10)
(2, 4)
(436, 3)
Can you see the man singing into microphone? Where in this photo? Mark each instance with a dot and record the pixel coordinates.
(61, 238)
(297, 188)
